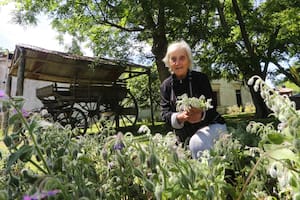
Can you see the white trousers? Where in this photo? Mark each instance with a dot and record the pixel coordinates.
(205, 138)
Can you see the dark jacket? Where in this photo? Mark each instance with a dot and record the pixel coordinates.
(194, 85)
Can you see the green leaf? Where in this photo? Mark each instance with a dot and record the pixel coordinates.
(20, 153)
(149, 186)
(276, 138)
(33, 124)
(138, 173)
(293, 182)
(296, 196)
(283, 154)
(12, 120)
(26, 153)
(8, 141)
(3, 195)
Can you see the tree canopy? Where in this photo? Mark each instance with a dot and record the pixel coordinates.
(235, 39)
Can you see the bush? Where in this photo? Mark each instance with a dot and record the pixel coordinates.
(249, 108)
(235, 109)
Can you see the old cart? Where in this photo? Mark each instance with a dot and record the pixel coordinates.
(81, 89)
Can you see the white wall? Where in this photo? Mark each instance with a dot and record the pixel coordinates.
(4, 62)
(227, 95)
(30, 86)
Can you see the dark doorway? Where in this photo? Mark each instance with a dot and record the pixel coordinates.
(238, 97)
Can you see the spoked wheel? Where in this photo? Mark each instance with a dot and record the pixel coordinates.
(73, 117)
(126, 113)
(91, 111)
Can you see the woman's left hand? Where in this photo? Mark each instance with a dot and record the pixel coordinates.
(194, 115)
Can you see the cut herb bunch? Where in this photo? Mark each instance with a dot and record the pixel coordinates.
(185, 103)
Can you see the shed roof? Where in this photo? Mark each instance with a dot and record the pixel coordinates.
(55, 66)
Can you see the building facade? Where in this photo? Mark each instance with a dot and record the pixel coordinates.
(31, 101)
(228, 94)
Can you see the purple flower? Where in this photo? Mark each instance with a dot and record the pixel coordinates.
(52, 192)
(24, 113)
(41, 195)
(119, 145)
(2, 94)
(26, 197)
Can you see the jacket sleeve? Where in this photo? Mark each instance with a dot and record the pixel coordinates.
(165, 103)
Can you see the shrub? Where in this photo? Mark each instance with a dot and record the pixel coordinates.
(235, 109)
(249, 108)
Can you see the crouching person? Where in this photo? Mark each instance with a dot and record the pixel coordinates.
(196, 127)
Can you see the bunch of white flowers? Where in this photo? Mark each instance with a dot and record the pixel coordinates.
(184, 103)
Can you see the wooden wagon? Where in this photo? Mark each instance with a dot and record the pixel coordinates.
(81, 89)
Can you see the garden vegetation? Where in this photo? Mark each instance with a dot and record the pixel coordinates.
(48, 162)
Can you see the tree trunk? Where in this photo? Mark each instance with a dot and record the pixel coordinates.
(262, 111)
(159, 49)
(163, 71)
(160, 43)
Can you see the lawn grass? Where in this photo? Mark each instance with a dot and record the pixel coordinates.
(232, 121)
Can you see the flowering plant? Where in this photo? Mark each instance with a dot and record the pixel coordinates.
(281, 144)
(185, 103)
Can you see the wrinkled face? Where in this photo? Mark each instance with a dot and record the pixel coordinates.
(179, 63)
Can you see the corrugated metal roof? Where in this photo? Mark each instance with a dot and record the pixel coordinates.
(47, 65)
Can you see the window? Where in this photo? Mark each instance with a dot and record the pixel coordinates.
(238, 97)
(216, 99)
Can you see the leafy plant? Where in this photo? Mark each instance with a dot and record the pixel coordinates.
(185, 103)
(280, 145)
(43, 159)
(47, 162)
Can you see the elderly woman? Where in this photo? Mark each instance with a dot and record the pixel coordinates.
(197, 128)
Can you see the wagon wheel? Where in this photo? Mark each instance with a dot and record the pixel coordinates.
(91, 111)
(73, 117)
(126, 113)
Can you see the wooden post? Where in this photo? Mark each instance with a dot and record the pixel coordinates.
(20, 75)
(150, 94)
(20, 82)
(4, 106)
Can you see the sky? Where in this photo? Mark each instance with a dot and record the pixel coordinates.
(12, 34)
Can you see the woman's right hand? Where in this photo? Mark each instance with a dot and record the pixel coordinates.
(182, 117)
(192, 116)
(195, 115)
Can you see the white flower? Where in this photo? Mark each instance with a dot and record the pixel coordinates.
(273, 170)
(281, 126)
(144, 129)
(251, 81)
(184, 103)
(256, 87)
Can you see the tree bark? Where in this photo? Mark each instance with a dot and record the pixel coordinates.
(262, 111)
(159, 50)
(160, 42)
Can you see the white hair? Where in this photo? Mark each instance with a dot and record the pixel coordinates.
(176, 46)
